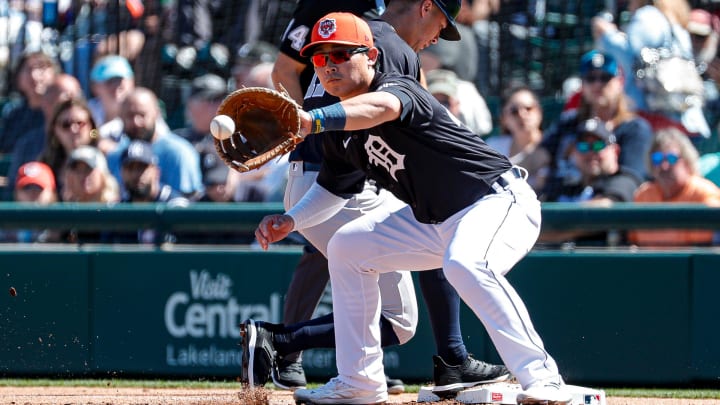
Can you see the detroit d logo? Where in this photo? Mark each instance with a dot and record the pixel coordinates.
(327, 28)
(380, 154)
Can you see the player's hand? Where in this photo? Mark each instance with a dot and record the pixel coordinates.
(273, 228)
(305, 123)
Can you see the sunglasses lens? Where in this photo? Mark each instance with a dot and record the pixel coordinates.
(582, 147)
(657, 158)
(319, 60)
(598, 146)
(336, 57)
(68, 124)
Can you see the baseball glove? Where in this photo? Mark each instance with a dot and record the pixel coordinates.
(267, 125)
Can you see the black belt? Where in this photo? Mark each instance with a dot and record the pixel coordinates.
(504, 180)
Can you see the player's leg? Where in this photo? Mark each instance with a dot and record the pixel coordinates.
(399, 305)
(355, 251)
(453, 368)
(489, 239)
(306, 286)
(264, 343)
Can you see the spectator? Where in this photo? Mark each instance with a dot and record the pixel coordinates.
(206, 94)
(674, 165)
(112, 79)
(35, 184)
(177, 158)
(521, 134)
(34, 72)
(250, 55)
(215, 178)
(87, 179)
(603, 180)
(466, 104)
(29, 146)
(602, 96)
(653, 24)
(70, 127)
(141, 177)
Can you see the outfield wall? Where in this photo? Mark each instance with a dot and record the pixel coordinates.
(609, 317)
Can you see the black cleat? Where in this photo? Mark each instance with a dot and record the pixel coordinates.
(258, 357)
(449, 380)
(288, 375)
(394, 386)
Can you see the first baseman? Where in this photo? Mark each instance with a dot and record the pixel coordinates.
(482, 223)
(403, 30)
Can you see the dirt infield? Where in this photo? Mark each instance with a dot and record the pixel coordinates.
(153, 396)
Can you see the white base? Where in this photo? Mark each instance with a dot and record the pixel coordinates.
(505, 393)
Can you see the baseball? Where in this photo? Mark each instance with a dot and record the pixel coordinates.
(222, 127)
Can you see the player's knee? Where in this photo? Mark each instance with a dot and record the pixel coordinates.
(459, 273)
(343, 246)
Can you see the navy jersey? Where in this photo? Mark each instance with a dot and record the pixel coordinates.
(426, 158)
(395, 56)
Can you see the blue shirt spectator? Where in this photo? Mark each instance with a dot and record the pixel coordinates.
(178, 160)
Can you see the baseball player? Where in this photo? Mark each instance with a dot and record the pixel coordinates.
(483, 222)
(398, 36)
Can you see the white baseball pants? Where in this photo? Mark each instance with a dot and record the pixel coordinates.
(475, 247)
(399, 305)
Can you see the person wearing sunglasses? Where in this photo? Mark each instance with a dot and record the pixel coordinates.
(70, 127)
(29, 146)
(673, 161)
(602, 95)
(603, 181)
(521, 134)
(399, 34)
(466, 208)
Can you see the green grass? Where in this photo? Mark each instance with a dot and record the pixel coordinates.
(686, 393)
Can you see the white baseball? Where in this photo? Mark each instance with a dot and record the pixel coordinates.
(222, 127)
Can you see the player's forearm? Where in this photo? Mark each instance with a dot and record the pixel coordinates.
(317, 206)
(370, 109)
(360, 112)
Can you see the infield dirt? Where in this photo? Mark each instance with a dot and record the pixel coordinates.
(166, 396)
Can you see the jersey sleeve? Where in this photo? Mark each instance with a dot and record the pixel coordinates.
(417, 109)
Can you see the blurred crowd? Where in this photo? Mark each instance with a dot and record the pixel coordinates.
(110, 101)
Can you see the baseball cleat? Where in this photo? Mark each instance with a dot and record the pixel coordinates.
(550, 393)
(288, 375)
(258, 353)
(338, 392)
(394, 386)
(449, 380)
